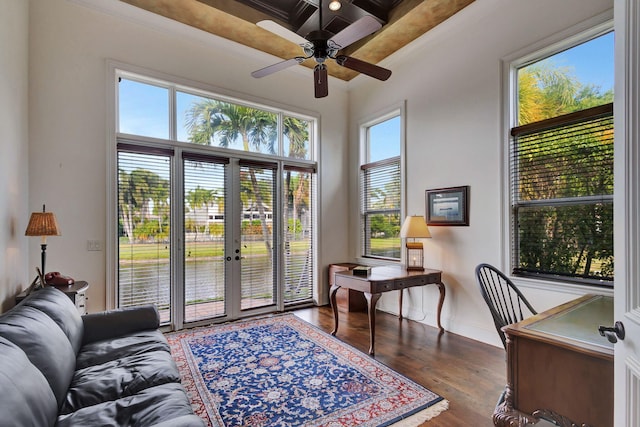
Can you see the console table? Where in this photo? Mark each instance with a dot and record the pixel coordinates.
(559, 368)
(383, 279)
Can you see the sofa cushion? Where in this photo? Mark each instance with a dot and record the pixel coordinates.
(57, 305)
(152, 406)
(121, 321)
(27, 399)
(44, 343)
(119, 378)
(103, 351)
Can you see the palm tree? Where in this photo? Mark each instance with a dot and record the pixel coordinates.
(210, 118)
(138, 190)
(297, 131)
(200, 197)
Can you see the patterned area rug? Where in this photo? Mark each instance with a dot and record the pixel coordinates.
(283, 371)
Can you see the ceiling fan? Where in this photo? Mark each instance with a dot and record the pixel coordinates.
(321, 45)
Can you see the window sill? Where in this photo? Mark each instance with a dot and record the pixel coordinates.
(562, 287)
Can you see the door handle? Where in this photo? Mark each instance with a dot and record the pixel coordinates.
(612, 334)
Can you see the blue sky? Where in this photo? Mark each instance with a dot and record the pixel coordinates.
(384, 139)
(591, 62)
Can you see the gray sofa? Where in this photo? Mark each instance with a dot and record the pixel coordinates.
(105, 369)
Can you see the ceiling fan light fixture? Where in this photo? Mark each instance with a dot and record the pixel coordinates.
(335, 5)
(321, 45)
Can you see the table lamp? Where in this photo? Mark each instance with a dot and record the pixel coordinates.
(414, 227)
(43, 224)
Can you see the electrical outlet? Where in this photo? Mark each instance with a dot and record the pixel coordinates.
(94, 245)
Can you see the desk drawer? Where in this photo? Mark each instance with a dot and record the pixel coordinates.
(388, 285)
(418, 281)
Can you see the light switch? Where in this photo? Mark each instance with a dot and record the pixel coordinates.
(94, 245)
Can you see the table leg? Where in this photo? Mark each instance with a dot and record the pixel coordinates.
(372, 300)
(442, 292)
(400, 304)
(334, 307)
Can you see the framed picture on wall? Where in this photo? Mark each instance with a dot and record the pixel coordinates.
(448, 206)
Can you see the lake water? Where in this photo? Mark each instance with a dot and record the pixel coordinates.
(149, 282)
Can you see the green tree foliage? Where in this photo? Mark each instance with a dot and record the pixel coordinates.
(200, 198)
(211, 121)
(546, 91)
(144, 197)
(574, 239)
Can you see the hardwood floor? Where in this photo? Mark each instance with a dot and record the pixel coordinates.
(469, 374)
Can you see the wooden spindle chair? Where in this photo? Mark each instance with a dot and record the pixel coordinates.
(506, 303)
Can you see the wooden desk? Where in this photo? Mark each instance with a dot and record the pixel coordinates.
(347, 299)
(383, 279)
(559, 368)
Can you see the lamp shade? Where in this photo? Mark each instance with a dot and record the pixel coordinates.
(414, 226)
(42, 224)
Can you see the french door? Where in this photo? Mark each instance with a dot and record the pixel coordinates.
(230, 265)
(199, 233)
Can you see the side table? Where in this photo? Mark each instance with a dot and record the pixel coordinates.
(76, 292)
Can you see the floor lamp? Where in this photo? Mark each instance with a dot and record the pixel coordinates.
(43, 224)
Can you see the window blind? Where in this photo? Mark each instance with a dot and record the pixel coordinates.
(144, 248)
(380, 207)
(298, 216)
(204, 237)
(258, 192)
(562, 196)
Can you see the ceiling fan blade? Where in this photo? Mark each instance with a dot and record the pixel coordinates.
(320, 82)
(354, 32)
(281, 31)
(363, 67)
(279, 66)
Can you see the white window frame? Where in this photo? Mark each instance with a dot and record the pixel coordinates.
(114, 69)
(573, 36)
(392, 111)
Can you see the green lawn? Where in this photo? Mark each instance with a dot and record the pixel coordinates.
(153, 251)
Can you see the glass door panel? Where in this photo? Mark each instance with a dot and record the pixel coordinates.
(204, 238)
(298, 210)
(258, 260)
(144, 247)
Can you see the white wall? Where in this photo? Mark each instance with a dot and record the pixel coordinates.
(14, 215)
(452, 84)
(70, 45)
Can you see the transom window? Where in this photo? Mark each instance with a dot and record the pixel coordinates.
(561, 164)
(145, 110)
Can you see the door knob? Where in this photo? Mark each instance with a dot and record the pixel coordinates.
(612, 334)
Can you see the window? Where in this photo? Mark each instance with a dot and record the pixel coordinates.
(216, 203)
(381, 188)
(561, 164)
(144, 199)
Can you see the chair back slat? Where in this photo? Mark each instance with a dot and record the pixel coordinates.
(505, 301)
